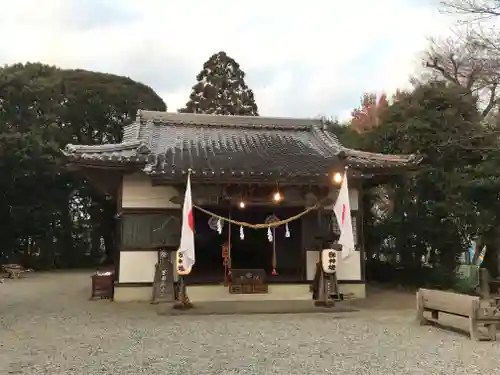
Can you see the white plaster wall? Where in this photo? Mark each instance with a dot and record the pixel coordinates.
(353, 198)
(350, 267)
(311, 259)
(137, 266)
(138, 192)
(347, 269)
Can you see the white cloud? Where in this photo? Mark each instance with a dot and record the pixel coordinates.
(320, 56)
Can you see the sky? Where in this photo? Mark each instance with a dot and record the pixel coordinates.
(301, 58)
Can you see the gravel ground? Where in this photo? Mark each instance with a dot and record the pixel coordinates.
(49, 327)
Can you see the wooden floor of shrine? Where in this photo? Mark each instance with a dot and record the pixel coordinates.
(277, 292)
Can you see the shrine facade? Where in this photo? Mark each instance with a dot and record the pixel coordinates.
(238, 164)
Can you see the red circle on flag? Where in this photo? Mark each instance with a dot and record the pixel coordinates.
(191, 220)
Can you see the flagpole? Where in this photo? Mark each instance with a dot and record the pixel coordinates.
(184, 302)
(181, 289)
(182, 286)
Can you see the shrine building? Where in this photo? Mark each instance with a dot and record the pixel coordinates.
(246, 169)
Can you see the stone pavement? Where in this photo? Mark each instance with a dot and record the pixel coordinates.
(48, 326)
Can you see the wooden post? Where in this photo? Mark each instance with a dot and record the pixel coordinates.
(484, 283)
(474, 333)
(183, 302)
(492, 331)
(331, 289)
(157, 266)
(325, 288)
(420, 309)
(229, 245)
(182, 292)
(321, 287)
(273, 260)
(225, 275)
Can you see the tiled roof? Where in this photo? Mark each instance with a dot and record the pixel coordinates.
(214, 145)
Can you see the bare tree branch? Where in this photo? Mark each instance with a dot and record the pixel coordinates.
(473, 10)
(491, 101)
(469, 60)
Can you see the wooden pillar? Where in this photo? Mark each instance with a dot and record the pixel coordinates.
(360, 223)
(484, 283)
(118, 230)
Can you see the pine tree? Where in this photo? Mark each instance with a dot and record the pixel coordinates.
(221, 89)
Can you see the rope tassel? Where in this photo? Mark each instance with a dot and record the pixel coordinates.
(269, 235)
(287, 231)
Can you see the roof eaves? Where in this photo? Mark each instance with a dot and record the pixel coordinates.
(113, 147)
(363, 159)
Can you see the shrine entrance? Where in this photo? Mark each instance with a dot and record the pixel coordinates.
(249, 248)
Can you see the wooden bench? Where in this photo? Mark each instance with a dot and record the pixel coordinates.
(13, 271)
(477, 311)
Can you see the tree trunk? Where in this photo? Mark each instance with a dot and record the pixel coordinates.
(491, 257)
(67, 248)
(95, 231)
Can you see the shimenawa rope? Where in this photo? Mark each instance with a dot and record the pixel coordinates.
(261, 225)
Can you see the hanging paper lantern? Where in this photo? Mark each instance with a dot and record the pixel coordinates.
(242, 235)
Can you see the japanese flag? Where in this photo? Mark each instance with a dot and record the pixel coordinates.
(186, 249)
(342, 211)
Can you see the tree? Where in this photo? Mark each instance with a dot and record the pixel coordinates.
(472, 57)
(368, 115)
(221, 89)
(473, 10)
(433, 210)
(41, 109)
(467, 61)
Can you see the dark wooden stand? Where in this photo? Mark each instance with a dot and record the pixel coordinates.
(248, 281)
(163, 285)
(102, 286)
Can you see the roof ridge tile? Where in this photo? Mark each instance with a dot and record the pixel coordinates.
(196, 119)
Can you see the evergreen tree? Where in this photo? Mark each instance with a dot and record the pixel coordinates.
(221, 89)
(449, 199)
(42, 108)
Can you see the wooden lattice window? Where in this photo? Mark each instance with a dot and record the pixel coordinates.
(146, 231)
